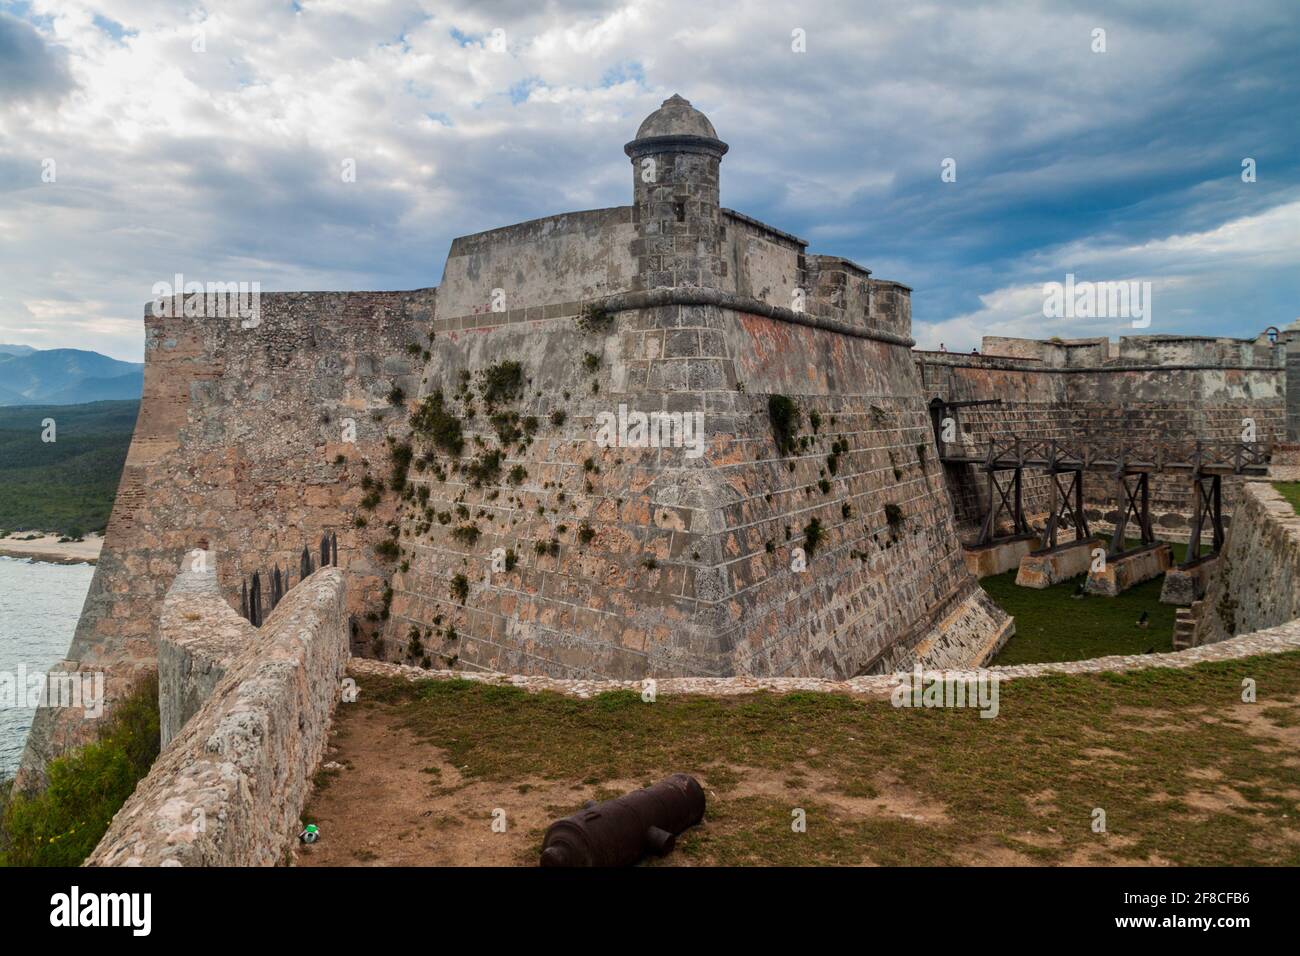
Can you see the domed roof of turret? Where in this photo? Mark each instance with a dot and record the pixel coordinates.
(676, 117)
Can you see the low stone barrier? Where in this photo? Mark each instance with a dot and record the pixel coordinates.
(227, 790)
(199, 636)
(1185, 585)
(1275, 640)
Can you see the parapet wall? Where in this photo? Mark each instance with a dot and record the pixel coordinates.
(200, 637)
(1257, 584)
(242, 446)
(228, 789)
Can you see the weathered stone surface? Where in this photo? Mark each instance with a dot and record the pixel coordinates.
(990, 559)
(1042, 569)
(238, 448)
(1117, 575)
(199, 636)
(1140, 389)
(228, 789)
(627, 561)
(1258, 584)
(1276, 640)
(1183, 586)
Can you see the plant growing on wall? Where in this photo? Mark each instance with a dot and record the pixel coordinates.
(399, 456)
(485, 469)
(502, 382)
(433, 422)
(894, 515)
(593, 318)
(466, 534)
(783, 414)
(812, 536)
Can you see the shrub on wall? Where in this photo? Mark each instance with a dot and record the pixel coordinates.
(62, 825)
(783, 413)
(435, 423)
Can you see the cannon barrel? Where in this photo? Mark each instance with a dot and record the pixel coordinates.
(621, 831)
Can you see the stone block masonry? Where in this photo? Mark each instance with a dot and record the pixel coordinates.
(1042, 569)
(228, 789)
(668, 565)
(1257, 583)
(484, 526)
(1140, 390)
(241, 447)
(1119, 574)
(199, 636)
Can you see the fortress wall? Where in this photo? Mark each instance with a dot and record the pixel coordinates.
(1257, 584)
(676, 577)
(571, 257)
(229, 788)
(1290, 339)
(1033, 407)
(1062, 400)
(763, 263)
(235, 449)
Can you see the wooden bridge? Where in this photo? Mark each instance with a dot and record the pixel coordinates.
(1129, 464)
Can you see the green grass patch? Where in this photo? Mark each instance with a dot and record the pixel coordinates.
(1053, 625)
(1290, 490)
(60, 826)
(1143, 746)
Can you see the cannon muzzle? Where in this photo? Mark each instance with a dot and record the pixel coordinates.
(621, 831)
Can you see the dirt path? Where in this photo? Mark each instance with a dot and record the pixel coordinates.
(394, 800)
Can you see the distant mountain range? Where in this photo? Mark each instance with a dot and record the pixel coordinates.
(31, 376)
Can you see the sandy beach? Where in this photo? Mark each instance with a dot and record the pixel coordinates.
(48, 548)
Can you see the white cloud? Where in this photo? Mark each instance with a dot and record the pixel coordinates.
(226, 163)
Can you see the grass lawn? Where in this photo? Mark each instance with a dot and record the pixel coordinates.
(1290, 490)
(1185, 771)
(1053, 625)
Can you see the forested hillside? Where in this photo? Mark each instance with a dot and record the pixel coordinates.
(66, 485)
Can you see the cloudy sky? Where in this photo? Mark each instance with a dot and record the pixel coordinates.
(209, 139)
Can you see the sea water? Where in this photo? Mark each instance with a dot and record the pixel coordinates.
(39, 607)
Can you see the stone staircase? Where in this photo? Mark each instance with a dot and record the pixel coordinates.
(1185, 625)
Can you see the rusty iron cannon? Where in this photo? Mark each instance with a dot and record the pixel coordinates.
(621, 831)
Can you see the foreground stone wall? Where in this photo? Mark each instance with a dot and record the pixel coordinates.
(229, 788)
(199, 637)
(241, 447)
(1257, 584)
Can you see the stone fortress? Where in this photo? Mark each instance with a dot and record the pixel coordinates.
(449, 438)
